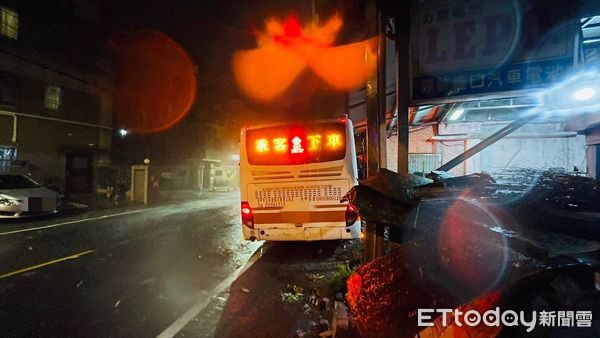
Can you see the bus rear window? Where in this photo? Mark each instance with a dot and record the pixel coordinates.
(296, 144)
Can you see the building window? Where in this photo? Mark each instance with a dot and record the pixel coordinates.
(9, 23)
(52, 98)
(9, 89)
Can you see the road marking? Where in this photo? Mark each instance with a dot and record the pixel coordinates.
(72, 222)
(75, 256)
(206, 298)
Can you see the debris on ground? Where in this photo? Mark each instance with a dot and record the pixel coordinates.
(456, 249)
(117, 303)
(292, 297)
(297, 294)
(323, 325)
(342, 273)
(224, 251)
(340, 316)
(312, 329)
(568, 191)
(293, 294)
(314, 277)
(306, 309)
(300, 334)
(244, 290)
(326, 334)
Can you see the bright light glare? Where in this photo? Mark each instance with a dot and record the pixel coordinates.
(334, 141)
(297, 146)
(286, 49)
(456, 114)
(314, 142)
(280, 145)
(262, 145)
(123, 132)
(584, 94)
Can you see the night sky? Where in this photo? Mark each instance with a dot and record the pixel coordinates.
(210, 31)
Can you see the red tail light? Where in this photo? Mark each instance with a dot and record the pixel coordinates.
(247, 215)
(351, 215)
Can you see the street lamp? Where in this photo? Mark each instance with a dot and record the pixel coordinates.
(577, 94)
(123, 132)
(584, 94)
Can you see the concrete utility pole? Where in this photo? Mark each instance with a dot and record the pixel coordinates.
(402, 29)
(376, 123)
(376, 156)
(376, 104)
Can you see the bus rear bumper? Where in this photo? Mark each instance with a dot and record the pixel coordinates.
(302, 233)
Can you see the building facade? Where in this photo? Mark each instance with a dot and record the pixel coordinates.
(55, 93)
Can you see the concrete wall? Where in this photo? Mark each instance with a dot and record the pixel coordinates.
(525, 148)
(534, 153)
(536, 145)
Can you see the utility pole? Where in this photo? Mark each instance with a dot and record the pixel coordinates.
(376, 104)
(402, 38)
(376, 122)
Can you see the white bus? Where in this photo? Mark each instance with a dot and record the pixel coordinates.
(292, 177)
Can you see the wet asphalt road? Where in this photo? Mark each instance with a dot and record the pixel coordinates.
(138, 271)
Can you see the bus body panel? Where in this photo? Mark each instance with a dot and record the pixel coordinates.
(299, 202)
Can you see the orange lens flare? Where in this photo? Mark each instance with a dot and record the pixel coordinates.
(266, 73)
(346, 67)
(286, 49)
(155, 82)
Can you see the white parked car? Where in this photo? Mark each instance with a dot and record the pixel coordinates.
(20, 196)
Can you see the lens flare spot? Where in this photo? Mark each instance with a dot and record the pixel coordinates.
(155, 81)
(469, 251)
(346, 67)
(334, 141)
(286, 49)
(264, 74)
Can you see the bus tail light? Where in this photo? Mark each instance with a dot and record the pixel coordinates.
(247, 215)
(351, 215)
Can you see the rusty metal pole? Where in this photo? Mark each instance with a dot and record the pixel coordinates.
(376, 127)
(402, 29)
(488, 141)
